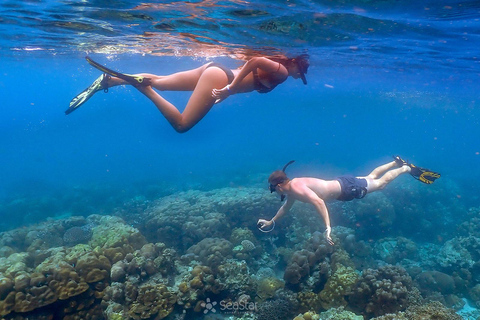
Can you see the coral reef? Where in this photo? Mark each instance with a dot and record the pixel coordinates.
(136, 301)
(211, 251)
(195, 285)
(267, 287)
(337, 286)
(274, 310)
(103, 267)
(77, 235)
(380, 291)
(234, 276)
(72, 279)
(302, 261)
(394, 250)
(431, 311)
(184, 219)
(435, 281)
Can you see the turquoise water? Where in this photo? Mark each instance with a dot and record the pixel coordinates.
(386, 77)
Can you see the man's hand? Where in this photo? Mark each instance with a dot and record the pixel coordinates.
(328, 237)
(262, 223)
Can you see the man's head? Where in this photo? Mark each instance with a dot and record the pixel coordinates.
(278, 177)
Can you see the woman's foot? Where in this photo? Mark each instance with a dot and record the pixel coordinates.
(101, 83)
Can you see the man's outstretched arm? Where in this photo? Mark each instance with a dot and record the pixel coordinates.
(305, 194)
(321, 208)
(280, 213)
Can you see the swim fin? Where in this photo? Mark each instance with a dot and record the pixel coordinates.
(133, 80)
(422, 174)
(399, 161)
(82, 97)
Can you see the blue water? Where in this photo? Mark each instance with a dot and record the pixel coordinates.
(385, 78)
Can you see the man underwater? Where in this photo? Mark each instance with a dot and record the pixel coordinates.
(344, 188)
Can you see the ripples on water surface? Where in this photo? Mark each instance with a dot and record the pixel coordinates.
(400, 33)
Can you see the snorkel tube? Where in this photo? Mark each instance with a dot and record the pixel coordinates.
(278, 177)
(289, 163)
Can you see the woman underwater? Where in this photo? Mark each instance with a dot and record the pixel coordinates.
(210, 84)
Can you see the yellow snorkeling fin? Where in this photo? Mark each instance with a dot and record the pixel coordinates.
(133, 80)
(424, 175)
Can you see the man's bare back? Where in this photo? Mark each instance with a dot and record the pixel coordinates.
(324, 189)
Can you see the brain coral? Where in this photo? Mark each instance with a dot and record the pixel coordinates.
(274, 310)
(77, 235)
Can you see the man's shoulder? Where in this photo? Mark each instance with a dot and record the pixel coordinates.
(306, 180)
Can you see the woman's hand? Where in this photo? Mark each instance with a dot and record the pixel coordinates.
(221, 94)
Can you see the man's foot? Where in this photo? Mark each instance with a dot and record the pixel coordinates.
(101, 83)
(399, 161)
(422, 174)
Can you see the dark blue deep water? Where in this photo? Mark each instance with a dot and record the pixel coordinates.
(386, 77)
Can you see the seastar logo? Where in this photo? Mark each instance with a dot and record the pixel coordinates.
(208, 306)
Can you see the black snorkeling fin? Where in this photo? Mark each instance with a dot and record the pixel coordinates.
(133, 80)
(422, 174)
(399, 161)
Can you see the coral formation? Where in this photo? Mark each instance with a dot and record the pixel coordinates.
(266, 287)
(234, 276)
(431, 311)
(337, 286)
(77, 235)
(302, 262)
(211, 251)
(394, 250)
(380, 291)
(103, 267)
(274, 310)
(435, 281)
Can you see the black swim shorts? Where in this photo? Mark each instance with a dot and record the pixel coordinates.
(352, 188)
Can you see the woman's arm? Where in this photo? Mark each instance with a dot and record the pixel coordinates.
(262, 63)
(265, 64)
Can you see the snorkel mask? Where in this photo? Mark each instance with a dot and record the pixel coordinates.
(278, 177)
(302, 65)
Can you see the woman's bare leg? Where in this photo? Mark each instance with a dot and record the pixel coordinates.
(200, 102)
(180, 81)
